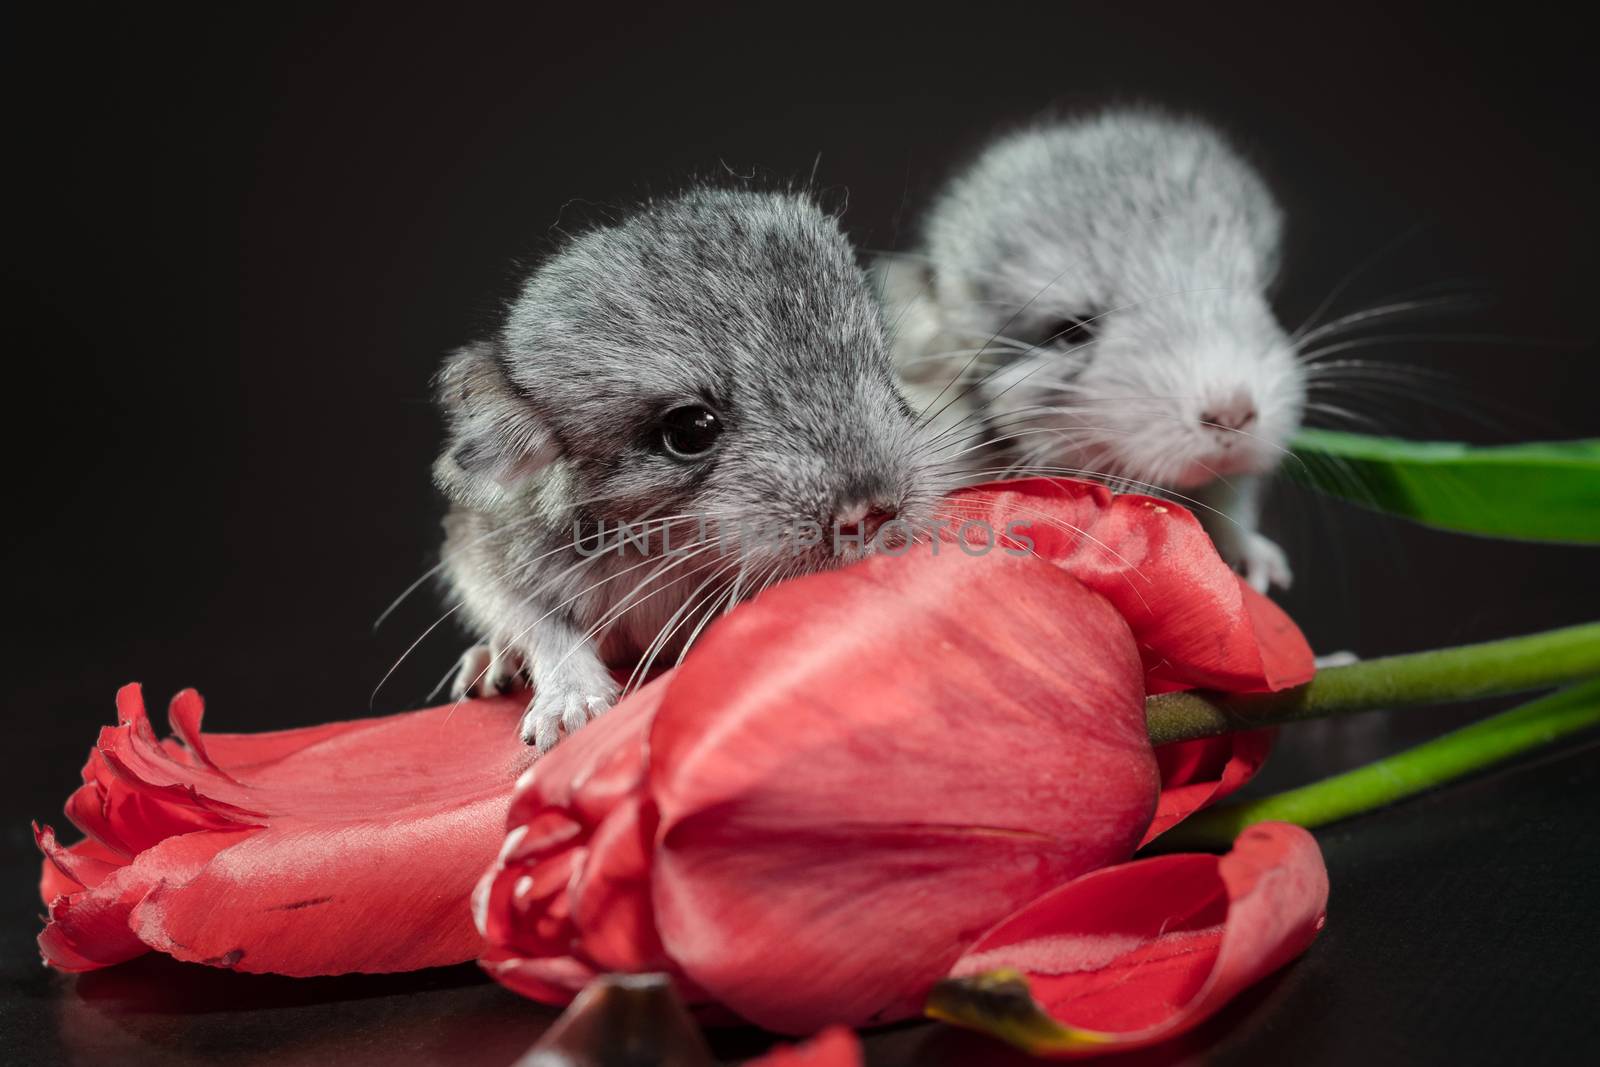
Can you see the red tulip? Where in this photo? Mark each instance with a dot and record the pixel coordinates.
(1131, 955)
(346, 847)
(809, 822)
(1197, 624)
(849, 779)
(1197, 774)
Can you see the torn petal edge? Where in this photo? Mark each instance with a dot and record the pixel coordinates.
(1277, 888)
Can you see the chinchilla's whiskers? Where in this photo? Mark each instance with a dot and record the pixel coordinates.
(522, 523)
(942, 443)
(1087, 397)
(1382, 313)
(641, 670)
(421, 581)
(1350, 279)
(1365, 380)
(726, 597)
(620, 609)
(1344, 474)
(704, 609)
(518, 571)
(925, 418)
(1363, 387)
(1001, 440)
(996, 434)
(1419, 338)
(1359, 368)
(671, 562)
(1068, 433)
(373, 698)
(726, 601)
(982, 419)
(512, 527)
(1004, 344)
(1071, 410)
(1257, 438)
(1369, 381)
(922, 417)
(444, 680)
(1216, 475)
(631, 599)
(975, 423)
(1337, 412)
(1077, 440)
(939, 356)
(778, 572)
(1061, 524)
(646, 561)
(664, 526)
(1098, 445)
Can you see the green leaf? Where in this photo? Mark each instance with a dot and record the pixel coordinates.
(1530, 492)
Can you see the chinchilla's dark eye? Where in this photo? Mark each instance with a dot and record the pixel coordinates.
(690, 431)
(1070, 332)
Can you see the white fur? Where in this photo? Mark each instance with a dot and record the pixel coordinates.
(1157, 236)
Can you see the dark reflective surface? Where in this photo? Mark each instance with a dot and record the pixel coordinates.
(240, 244)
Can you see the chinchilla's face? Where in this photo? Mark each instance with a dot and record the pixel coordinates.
(1113, 271)
(719, 357)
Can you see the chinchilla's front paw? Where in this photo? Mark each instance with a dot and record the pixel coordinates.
(563, 701)
(1259, 559)
(484, 672)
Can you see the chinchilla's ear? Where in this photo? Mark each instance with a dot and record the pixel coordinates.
(496, 441)
(905, 288)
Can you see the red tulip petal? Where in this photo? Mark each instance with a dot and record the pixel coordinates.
(834, 1047)
(1135, 954)
(242, 753)
(568, 897)
(1197, 624)
(89, 929)
(1197, 774)
(67, 870)
(346, 847)
(853, 804)
(184, 714)
(1286, 659)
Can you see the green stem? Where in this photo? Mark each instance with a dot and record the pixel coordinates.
(1405, 774)
(1514, 665)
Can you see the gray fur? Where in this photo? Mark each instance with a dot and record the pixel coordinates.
(1158, 235)
(750, 303)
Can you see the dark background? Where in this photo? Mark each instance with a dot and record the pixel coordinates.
(238, 246)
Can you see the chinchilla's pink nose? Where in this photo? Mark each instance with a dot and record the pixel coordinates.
(862, 520)
(1234, 412)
